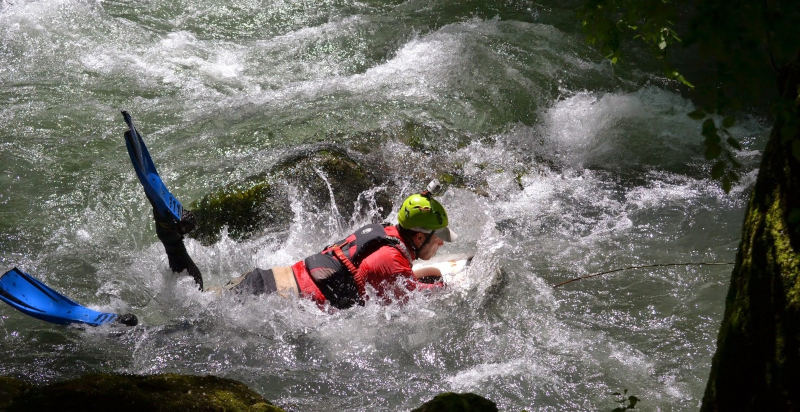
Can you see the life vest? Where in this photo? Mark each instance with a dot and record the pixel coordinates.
(335, 269)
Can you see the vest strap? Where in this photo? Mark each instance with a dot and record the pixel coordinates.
(361, 283)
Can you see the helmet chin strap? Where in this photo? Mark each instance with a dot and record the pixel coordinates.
(416, 249)
(427, 239)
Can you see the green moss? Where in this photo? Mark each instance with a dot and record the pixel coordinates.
(262, 201)
(157, 392)
(446, 178)
(757, 361)
(413, 135)
(784, 254)
(340, 166)
(520, 174)
(243, 211)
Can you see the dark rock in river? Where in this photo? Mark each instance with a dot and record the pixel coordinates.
(103, 392)
(457, 402)
(318, 174)
(10, 388)
(262, 202)
(172, 392)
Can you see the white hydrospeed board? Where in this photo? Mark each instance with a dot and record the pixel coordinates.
(450, 266)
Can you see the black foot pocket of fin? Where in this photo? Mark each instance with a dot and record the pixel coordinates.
(128, 319)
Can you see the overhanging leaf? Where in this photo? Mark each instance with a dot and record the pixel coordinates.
(717, 170)
(679, 77)
(712, 150)
(732, 142)
(726, 184)
(632, 400)
(728, 122)
(709, 128)
(697, 114)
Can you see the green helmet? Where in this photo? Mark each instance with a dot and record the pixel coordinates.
(424, 214)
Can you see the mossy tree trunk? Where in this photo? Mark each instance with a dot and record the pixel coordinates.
(757, 362)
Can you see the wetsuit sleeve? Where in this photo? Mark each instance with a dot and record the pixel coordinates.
(383, 267)
(179, 259)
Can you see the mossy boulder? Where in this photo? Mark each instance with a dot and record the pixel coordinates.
(109, 392)
(757, 362)
(244, 208)
(172, 392)
(457, 402)
(262, 202)
(10, 388)
(317, 174)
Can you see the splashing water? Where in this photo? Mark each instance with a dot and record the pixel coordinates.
(565, 168)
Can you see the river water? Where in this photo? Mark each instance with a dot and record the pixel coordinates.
(572, 168)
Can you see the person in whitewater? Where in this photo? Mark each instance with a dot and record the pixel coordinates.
(377, 255)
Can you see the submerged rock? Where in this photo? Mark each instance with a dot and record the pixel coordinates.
(172, 392)
(108, 392)
(327, 177)
(242, 208)
(321, 173)
(457, 402)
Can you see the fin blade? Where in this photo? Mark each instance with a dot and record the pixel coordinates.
(165, 203)
(32, 297)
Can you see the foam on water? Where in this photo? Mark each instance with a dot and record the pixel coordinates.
(565, 170)
(513, 331)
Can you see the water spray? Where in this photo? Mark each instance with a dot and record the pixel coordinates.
(641, 267)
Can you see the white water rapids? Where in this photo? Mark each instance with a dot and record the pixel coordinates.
(580, 169)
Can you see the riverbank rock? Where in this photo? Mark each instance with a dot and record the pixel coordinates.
(326, 178)
(320, 173)
(10, 388)
(457, 402)
(173, 392)
(757, 362)
(109, 392)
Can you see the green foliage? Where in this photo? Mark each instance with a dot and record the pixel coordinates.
(746, 48)
(726, 166)
(608, 24)
(625, 401)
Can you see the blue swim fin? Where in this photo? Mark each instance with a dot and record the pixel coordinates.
(34, 298)
(163, 201)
